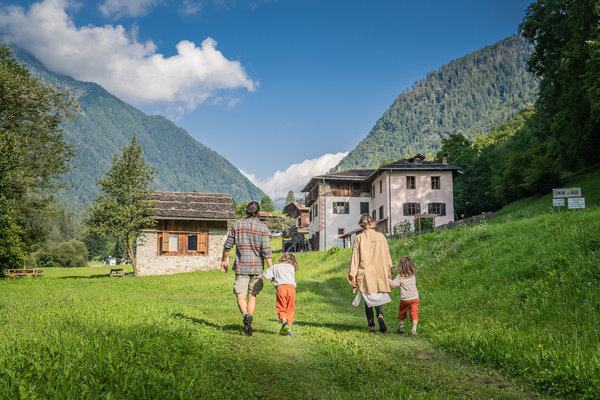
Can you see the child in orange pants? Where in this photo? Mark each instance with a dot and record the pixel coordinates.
(283, 275)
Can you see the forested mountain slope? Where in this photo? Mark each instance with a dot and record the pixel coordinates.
(469, 95)
(106, 124)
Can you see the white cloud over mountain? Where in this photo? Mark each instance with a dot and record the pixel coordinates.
(295, 176)
(113, 57)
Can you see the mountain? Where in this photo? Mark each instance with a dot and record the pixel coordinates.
(470, 95)
(106, 124)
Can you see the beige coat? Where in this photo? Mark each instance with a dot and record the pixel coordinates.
(371, 262)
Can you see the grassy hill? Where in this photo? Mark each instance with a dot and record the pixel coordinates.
(509, 310)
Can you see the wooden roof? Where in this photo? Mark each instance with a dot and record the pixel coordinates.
(193, 206)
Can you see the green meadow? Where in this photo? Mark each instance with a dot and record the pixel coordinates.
(509, 310)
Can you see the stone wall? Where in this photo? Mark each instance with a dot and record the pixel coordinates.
(149, 262)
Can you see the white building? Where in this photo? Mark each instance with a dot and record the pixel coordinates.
(391, 194)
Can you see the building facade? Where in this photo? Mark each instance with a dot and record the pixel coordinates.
(391, 194)
(189, 234)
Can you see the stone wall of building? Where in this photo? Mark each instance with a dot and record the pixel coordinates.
(150, 262)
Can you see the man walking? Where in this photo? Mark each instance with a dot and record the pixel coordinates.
(252, 248)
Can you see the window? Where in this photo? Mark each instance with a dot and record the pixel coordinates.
(435, 182)
(341, 231)
(381, 212)
(410, 182)
(356, 185)
(372, 191)
(364, 207)
(316, 213)
(437, 208)
(381, 186)
(411, 208)
(340, 207)
(374, 215)
(310, 214)
(182, 243)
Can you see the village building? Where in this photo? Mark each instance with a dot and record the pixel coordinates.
(189, 234)
(299, 212)
(391, 194)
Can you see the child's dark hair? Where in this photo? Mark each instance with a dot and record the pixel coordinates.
(290, 259)
(406, 267)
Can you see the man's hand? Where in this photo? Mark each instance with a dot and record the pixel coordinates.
(224, 266)
(352, 280)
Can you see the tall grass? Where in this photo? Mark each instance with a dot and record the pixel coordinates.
(521, 295)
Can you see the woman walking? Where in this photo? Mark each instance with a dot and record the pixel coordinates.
(369, 271)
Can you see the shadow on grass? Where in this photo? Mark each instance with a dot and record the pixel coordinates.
(228, 327)
(83, 276)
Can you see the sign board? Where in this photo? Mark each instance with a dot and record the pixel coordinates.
(566, 192)
(558, 202)
(577, 202)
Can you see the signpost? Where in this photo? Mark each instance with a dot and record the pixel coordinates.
(575, 201)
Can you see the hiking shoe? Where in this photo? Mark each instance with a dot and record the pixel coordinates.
(382, 325)
(401, 330)
(248, 325)
(413, 333)
(289, 333)
(285, 329)
(371, 329)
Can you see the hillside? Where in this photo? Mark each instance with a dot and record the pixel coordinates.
(470, 95)
(106, 124)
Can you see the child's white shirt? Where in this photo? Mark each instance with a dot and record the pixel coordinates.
(408, 286)
(284, 274)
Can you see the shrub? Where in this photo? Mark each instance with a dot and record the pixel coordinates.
(402, 227)
(69, 254)
(333, 250)
(424, 224)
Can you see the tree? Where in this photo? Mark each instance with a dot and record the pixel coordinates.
(124, 207)
(290, 197)
(33, 154)
(266, 204)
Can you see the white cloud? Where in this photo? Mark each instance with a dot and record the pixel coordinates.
(295, 176)
(190, 7)
(127, 8)
(113, 58)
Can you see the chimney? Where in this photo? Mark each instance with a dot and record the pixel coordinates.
(444, 160)
(339, 168)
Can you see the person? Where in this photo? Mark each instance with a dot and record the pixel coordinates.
(409, 296)
(252, 248)
(369, 271)
(283, 276)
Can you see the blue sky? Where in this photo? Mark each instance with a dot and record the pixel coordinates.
(281, 88)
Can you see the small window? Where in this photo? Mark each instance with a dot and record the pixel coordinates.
(341, 231)
(173, 242)
(192, 242)
(340, 207)
(372, 191)
(411, 208)
(374, 215)
(435, 182)
(437, 208)
(381, 186)
(310, 215)
(381, 212)
(356, 185)
(316, 214)
(410, 182)
(364, 207)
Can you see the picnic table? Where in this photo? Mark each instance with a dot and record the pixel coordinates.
(17, 272)
(116, 272)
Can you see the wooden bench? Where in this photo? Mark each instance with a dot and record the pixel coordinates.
(17, 272)
(116, 272)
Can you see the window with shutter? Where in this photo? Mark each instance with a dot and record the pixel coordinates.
(182, 243)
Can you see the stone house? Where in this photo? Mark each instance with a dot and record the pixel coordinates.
(189, 234)
(391, 194)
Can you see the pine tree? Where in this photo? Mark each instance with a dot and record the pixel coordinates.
(124, 207)
(290, 197)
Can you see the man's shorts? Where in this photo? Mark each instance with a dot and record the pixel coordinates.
(247, 284)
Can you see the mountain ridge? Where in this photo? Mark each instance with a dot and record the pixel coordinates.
(105, 124)
(470, 95)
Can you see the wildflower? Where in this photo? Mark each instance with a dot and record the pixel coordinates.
(539, 345)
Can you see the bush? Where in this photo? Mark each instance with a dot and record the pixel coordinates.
(424, 224)
(71, 254)
(333, 250)
(402, 227)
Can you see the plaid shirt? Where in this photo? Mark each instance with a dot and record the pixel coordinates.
(252, 245)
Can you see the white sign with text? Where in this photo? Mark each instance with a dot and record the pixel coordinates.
(558, 202)
(576, 202)
(567, 192)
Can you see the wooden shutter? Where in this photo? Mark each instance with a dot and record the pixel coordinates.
(203, 242)
(443, 208)
(165, 242)
(429, 208)
(405, 209)
(418, 210)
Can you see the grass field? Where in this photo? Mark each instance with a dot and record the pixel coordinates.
(509, 310)
(78, 334)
